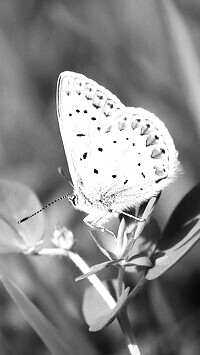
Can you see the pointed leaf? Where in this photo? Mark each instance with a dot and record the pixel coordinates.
(106, 242)
(186, 211)
(164, 260)
(93, 305)
(107, 318)
(180, 235)
(147, 241)
(16, 202)
(45, 330)
(139, 260)
(96, 311)
(96, 268)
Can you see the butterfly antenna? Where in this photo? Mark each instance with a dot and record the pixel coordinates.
(61, 172)
(43, 208)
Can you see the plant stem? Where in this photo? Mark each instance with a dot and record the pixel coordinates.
(102, 290)
(121, 236)
(137, 288)
(124, 321)
(120, 285)
(95, 281)
(128, 333)
(82, 265)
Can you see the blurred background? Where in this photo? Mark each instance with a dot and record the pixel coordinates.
(148, 54)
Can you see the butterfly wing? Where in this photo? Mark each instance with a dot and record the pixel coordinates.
(84, 108)
(118, 157)
(142, 157)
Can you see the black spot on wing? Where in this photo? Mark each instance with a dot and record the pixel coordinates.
(84, 156)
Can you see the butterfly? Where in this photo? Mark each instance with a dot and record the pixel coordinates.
(118, 156)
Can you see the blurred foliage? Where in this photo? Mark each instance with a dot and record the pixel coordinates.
(147, 53)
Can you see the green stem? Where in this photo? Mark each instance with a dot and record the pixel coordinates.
(121, 236)
(82, 265)
(124, 321)
(122, 317)
(128, 333)
(137, 288)
(120, 285)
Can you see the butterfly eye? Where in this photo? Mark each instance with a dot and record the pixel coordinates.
(74, 200)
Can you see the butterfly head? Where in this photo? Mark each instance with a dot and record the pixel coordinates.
(95, 208)
(73, 199)
(79, 201)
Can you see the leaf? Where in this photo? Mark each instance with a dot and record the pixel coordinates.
(106, 242)
(107, 318)
(147, 240)
(144, 246)
(186, 211)
(93, 305)
(17, 201)
(45, 330)
(96, 312)
(96, 268)
(139, 260)
(180, 235)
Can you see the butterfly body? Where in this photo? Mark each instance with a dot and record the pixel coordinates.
(118, 156)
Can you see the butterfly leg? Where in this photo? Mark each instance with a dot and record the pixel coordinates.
(94, 224)
(133, 217)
